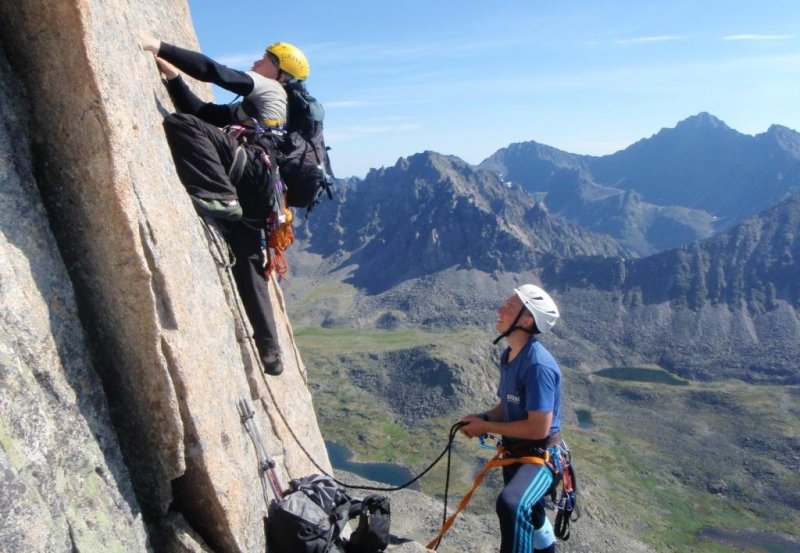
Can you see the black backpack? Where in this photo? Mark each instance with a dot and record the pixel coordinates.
(304, 163)
(309, 518)
(374, 518)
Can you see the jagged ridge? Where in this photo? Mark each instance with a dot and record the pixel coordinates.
(663, 191)
(430, 212)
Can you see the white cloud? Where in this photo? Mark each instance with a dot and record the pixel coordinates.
(383, 54)
(238, 60)
(648, 39)
(345, 104)
(654, 77)
(356, 131)
(757, 37)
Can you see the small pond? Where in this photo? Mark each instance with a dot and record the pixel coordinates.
(388, 473)
(585, 420)
(642, 374)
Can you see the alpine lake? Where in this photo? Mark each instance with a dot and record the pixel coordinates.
(391, 474)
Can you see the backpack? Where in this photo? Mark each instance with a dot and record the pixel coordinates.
(372, 533)
(309, 518)
(303, 160)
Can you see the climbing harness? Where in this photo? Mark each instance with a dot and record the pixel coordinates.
(266, 465)
(257, 143)
(499, 460)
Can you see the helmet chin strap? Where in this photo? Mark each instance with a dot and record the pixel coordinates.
(511, 328)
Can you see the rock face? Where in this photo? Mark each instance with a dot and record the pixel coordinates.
(65, 486)
(156, 301)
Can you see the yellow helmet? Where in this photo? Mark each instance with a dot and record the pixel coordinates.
(291, 59)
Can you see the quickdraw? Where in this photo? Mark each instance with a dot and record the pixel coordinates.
(489, 441)
(266, 465)
(276, 228)
(567, 510)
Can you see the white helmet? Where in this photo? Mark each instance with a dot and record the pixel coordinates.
(540, 304)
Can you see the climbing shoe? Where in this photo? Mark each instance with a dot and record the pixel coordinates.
(272, 364)
(228, 210)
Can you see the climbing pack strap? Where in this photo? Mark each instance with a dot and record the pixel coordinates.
(237, 166)
(497, 461)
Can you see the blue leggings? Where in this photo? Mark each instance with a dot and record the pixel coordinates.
(524, 527)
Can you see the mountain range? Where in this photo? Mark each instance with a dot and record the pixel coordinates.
(679, 185)
(135, 414)
(432, 212)
(697, 291)
(434, 241)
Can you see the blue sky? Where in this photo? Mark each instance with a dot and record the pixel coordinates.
(468, 78)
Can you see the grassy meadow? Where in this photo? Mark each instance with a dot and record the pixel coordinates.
(664, 458)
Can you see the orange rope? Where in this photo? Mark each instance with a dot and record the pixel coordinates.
(279, 240)
(282, 238)
(496, 461)
(277, 262)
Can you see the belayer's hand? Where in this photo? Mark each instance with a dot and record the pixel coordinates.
(149, 42)
(167, 69)
(473, 426)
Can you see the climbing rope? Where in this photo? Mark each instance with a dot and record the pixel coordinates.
(451, 438)
(267, 464)
(281, 236)
(222, 253)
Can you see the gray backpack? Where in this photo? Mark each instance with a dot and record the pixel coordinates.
(309, 518)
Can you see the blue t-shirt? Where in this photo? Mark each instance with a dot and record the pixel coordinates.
(531, 382)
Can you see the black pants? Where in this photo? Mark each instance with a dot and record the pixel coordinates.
(248, 271)
(203, 155)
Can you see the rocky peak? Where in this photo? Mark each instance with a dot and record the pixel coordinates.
(787, 139)
(703, 121)
(523, 161)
